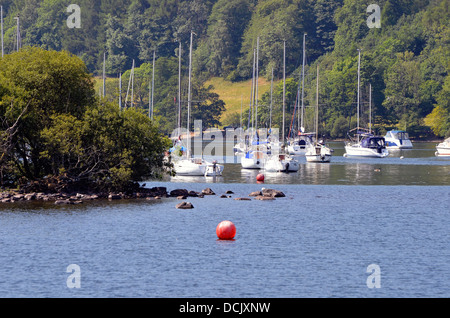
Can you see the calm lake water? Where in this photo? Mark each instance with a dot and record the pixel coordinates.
(318, 241)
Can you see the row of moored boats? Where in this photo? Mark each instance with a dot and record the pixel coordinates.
(275, 156)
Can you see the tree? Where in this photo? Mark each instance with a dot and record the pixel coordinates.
(403, 89)
(220, 51)
(45, 83)
(52, 124)
(107, 149)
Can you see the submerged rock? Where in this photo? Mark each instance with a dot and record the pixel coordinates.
(243, 199)
(179, 192)
(208, 191)
(272, 193)
(264, 198)
(184, 205)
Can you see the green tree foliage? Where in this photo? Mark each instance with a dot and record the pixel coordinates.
(413, 40)
(52, 124)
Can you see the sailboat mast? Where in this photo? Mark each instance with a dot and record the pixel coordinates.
(357, 102)
(256, 89)
(189, 96)
(129, 84)
(284, 87)
(132, 86)
(271, 104)
(153, 85)
(1, 18)
(179, 86)
(317, 105)
(18, 32)
(370, 108)
(303, 84)
(252, 93)
(120, 91)
(104, 74)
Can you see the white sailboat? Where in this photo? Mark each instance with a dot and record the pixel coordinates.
(318, 152)
(281, 163)
(365, 144)
(278, 161)
(186, 165)
(255, 154)
(298, 145)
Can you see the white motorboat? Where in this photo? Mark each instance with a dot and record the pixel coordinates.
(397, 139)
(368, 146)
(281, 163)
(443, 148)
(318, 153)
(365, 144)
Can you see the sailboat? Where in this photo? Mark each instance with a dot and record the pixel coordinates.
(186, 164)
(318, 152)
(298, 145)
(278, 161)
(365, 144)
(255, 154)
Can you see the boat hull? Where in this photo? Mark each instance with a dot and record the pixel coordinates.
(318, 154)
(281, 163)
(197, 167)
(358, 151)
(442, 151)
(399, 144)
(318, 158)
(253, 160)
(297, 150)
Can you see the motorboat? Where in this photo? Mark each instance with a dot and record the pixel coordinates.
(443, 148)
(368, 146)
(281, 163)
(397, 139)
(318, 153)
(365, 144)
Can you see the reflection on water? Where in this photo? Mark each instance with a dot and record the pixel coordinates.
(417, 166)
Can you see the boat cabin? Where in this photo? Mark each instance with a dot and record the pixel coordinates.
(373, 142)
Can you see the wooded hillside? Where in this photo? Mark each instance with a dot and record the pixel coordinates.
(406, 61)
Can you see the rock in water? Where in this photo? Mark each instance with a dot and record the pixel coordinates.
(208, 191)
(184, 205)
(272, 193)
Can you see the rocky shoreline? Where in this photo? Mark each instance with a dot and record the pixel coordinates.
(154, 193)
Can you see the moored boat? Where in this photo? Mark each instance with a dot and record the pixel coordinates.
(443, 148)
(281, 163)
(397, 139)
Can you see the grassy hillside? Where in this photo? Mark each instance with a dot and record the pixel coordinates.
(235, 94)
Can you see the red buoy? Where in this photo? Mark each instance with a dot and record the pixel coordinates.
(226, 230)
(260, 177)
